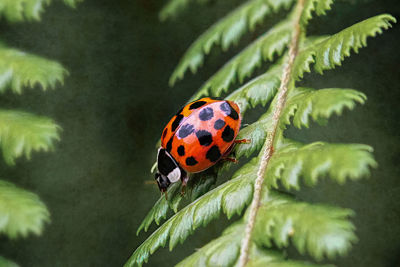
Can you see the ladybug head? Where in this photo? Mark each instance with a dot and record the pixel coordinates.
(162, 182)
(168, 170)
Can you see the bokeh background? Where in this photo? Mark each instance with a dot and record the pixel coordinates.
(115, 102)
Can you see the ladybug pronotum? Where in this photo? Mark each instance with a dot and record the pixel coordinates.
(196, 138)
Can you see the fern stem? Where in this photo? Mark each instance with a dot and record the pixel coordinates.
(268, 147)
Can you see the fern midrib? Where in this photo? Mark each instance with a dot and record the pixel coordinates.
(268, 146)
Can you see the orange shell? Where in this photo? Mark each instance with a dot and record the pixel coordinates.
(200, 140)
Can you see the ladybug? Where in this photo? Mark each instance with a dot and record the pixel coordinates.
(202, 133)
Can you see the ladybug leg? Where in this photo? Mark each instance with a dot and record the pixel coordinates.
(184, 184)
(242, 141)
(184, 179)
(234, 160)
(165, 194)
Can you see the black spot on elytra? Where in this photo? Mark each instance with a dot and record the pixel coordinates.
(219, 124)
(206, 114)
(228, 134)
(213, 154)
(181, 150)
(197, 104)
(204, 137)
(185, 130)
(229, 111)
(169, 144)
(191, 161)
(164, 133)
(176, 122)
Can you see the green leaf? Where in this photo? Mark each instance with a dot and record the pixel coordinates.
(174, 7)
(19, 69)
(260, 90)
(231, 197)
(319, 230)
(242, 65)
(256, 133)
(198, 185)
(20, 10)
(314, 229)
(304, 103)
(226, 32)
(318, 6)
(72, 3)
(317, 160)
(21, 133)
(289, 162)
(7, 263)
(223, 251)
(267, 261)
(264, 48)
(21, 212)
(235, 194)
(328, 52)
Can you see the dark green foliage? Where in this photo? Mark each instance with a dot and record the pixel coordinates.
(317, 230)
(21, 133)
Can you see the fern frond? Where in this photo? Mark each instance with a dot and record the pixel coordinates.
(260, 257)
(304, 103)
(19, 69)
(198, 185)
(289, 162)
(260, 90)
(266, 261)
(243, 64)
(7, 263)
(330, 51)
(319, 7)
(278, 220)
(20, 10)
(21, 212)
(226, 32)
(312, 161)
(72, 3)
(318, 230)
(21, 133)
(231, 197)
(264, 48)
(173, 7)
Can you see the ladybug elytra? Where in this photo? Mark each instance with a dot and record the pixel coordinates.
(202, 133)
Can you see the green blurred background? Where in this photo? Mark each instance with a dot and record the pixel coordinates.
(116, 101)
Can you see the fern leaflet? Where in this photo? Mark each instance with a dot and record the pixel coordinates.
(20, 10)
(21, 133)
(21, 212)
(19, 69)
